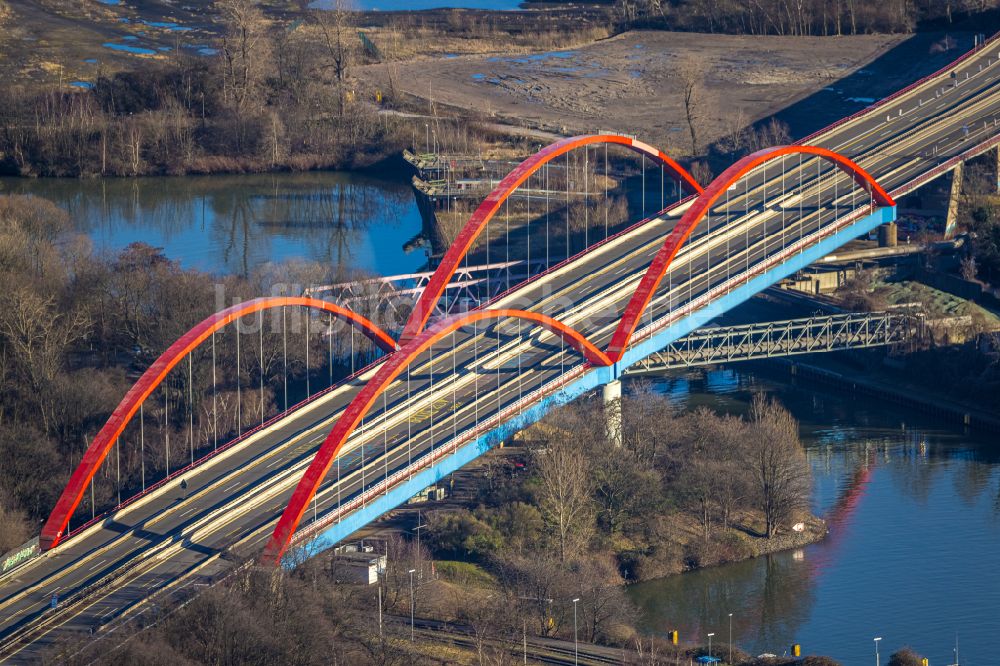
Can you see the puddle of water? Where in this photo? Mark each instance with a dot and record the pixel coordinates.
(169, 25)
(91, 61)
(207, 51)
(450, 55)
(110, 2)
(635, 74)
(86, 85)
(163, 48)
(130, 38)
(479, 77)
(137, 50)
(534, 57)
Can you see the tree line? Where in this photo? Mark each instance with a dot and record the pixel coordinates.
(795, 17)
(277, 95)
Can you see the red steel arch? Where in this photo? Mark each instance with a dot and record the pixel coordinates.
(491, 204)
(680, 233)
(363, 401)
(52, 532)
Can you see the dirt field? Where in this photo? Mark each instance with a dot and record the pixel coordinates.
(629, 83)
(54, 41)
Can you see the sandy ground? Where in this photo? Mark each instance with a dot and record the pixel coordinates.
(629, 83)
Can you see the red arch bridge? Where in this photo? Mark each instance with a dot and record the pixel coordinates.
(447, 387)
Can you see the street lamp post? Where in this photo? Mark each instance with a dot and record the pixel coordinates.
(877, 639)
(412, 571)
(379, 579)
(710, 643)
(420, 564)
(524, 639)
(730, 638)
(576, 642)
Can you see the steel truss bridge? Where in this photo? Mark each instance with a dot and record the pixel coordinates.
(792, 337)
(447, 387)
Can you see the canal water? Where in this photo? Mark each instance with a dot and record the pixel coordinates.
(914, 546)
(233, 224)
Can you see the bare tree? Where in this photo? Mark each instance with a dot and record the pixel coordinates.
(604, 608)
(733, 485)
(491, 622)
(691, 73)
(245, 52)
(969, 268)
(777, 463)
(14, 528)
(565, 485)
(540, 583)
(735, 137)
(39, 337)
(337, 26)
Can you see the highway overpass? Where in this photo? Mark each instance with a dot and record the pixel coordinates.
(466, 384)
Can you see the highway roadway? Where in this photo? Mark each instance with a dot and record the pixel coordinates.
(174, 539)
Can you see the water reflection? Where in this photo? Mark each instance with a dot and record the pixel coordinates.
(914, 514)
(769, 597)
(232, 224)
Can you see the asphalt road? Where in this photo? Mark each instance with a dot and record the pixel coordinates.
(176, 539)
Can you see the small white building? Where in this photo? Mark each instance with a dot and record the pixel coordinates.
(357, 566)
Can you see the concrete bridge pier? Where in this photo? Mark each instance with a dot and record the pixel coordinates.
(996, 165)
(612, 394)
(951, 220)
